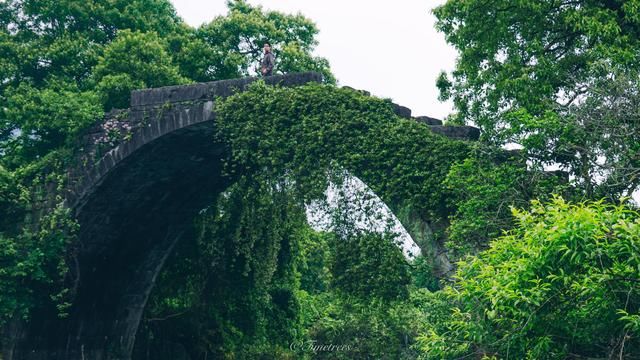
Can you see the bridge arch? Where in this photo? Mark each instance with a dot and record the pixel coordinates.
(133, 202)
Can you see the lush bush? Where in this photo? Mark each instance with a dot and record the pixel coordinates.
(565, 282)
(422, 274)
(133, 60)
(367, 310)
(361, 329)
(370, 266)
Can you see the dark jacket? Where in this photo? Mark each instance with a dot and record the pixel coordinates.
(268, 61)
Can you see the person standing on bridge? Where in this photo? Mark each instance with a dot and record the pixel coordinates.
(268, 61)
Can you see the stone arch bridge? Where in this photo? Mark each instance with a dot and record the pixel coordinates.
(148, 171)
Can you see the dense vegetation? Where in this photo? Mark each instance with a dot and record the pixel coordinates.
(549, 263)
(561, 284)
(559, 77)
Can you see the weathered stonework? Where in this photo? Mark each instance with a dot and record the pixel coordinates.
(457, 132)
(428, 120)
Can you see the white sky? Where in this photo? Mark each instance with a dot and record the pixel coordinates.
(388, 48)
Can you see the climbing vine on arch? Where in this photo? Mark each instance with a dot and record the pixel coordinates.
(307, 133)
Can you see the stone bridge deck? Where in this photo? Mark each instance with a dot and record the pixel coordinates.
(157, 112)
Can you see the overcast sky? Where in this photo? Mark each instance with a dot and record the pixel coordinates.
(389, 48)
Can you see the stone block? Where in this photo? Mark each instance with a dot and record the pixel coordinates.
(457, 132)
(402, 111)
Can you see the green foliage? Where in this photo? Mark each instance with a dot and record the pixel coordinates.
(229, 291)
(46, 119)
(312, 264)
(370, 265)
(63, 39)
(61, 60)
(34, 267)
(364, 267)
(49, 50)
(563, 283)
(134, 60)
(99, 19)
(603, 130)
(306, 136)
(366, 311)
(558, 77)
(12, 204)
(34, 258)
(483, 193)
(301, 139)
(436, 338)
(360, 329)
(482, 190)
(422, 274)
(521, 54)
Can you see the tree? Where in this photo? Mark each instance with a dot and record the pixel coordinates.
(40, 120)
(481, 191)
(604, 130)
(522, 64)
(64, 38)
(134, 60)
(49, 50)
(236, 41)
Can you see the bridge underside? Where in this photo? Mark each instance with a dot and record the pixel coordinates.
(130, 227)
